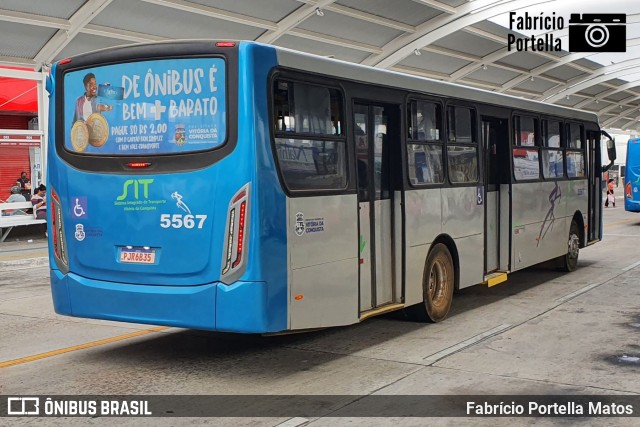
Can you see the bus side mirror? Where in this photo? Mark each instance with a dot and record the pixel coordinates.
(611, 149)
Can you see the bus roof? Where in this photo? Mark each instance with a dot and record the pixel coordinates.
(357, 72)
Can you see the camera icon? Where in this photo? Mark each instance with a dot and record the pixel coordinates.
(604, 32)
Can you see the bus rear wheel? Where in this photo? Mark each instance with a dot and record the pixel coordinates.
(438, 283)
(569, 261)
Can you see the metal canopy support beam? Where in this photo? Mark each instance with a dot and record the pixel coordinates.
(476, 11)
(292, 20)
(598, 76)
(31, 19)
(99, 30)
(424, 28)
(61, 38)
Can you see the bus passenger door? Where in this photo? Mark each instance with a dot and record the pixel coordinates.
(371, 127)
(594, 186)
(495, 134)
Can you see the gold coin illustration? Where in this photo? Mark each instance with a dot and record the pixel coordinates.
(98, 129)
(79, 136)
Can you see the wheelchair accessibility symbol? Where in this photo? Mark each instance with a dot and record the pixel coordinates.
(80, 207)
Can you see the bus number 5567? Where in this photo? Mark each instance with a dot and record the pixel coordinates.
(181, 221)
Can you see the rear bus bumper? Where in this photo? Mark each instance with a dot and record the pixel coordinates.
(241, 307)
(631, 205)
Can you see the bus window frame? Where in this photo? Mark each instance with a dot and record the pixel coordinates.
(561, 147)
(473, 106)
(414, 97)
(581, 150)
(536, 143)
(280, 73)
(165, 162)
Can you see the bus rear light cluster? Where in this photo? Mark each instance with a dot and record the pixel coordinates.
(234, 253)
(627, 191)
(57, 233)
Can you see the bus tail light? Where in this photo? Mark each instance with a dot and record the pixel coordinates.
(627, 191)
(235, 244)
(59, 243)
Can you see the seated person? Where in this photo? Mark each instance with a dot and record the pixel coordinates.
(14, 197)
(39, 202)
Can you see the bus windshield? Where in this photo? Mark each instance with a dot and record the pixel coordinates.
(151, 107)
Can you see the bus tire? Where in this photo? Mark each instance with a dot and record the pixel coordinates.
(569, 261)
(438, 282)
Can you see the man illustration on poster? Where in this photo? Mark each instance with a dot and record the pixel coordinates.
(87, 103)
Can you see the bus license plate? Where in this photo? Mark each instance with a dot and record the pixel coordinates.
(138, 256)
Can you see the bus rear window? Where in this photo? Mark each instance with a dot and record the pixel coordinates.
(151, 107)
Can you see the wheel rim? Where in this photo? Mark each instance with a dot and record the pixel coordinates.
(438, 283)
(574, 248)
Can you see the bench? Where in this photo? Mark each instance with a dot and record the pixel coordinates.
(17, 219)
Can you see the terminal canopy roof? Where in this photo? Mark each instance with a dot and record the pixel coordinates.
(460, 41)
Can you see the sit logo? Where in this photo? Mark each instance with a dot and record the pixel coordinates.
(136, 183)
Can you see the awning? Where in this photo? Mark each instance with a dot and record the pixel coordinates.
(17, 95)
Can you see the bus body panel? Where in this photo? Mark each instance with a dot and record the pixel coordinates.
(423, 213)
(632, 177)
(241, 307)
(463, 220)
(267, 252)
(323, 254)
(106, 213)
(541, 224)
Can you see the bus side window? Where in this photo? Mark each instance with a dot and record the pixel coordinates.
(552, 153)
(575, 151)
(526, 155)
(462, 147)
(424, 146)
(310, 147)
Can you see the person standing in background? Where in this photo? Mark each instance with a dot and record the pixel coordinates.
(611, 198)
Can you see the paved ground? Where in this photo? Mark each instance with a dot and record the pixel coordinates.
(542, 332)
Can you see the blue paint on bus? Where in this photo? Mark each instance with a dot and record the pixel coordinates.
(632, 176)
(149, 248)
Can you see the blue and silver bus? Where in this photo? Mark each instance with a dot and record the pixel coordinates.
(236, 186)
(632, 176)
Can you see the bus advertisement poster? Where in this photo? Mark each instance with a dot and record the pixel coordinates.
(146, 107)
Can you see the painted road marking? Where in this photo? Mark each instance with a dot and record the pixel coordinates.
(81, 347)
(578, 292)
(629, 267)
(429, 360)
(293, 422)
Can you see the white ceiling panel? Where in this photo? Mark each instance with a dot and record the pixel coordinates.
(524, 60)
(468, 43)
(616, 97)
(54, 8)
(493, 75)
(406, 11)
(564, 72)
(324, 49)
(379, 32)
(25, 41)
(87, 43)
(434, 62)
(337, 25)
(168, 22)
(538, 84)
(593, 90)
(272, 10)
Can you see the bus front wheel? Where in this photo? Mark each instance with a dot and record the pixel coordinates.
(438, 283)
(569, 261)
